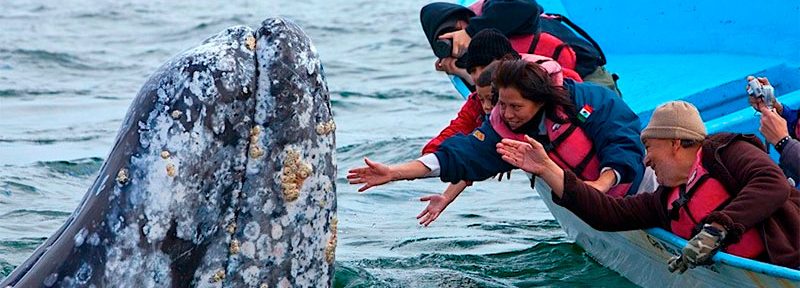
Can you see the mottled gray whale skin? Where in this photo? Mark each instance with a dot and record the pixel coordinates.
(222, 175)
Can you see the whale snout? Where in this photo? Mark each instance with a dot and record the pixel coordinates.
(222, 174)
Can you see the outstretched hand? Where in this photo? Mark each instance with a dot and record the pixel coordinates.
(530, 157)
(436, 204)
(374, 174)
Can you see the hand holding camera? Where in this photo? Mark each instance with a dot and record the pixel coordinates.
(762, 94)
(457, 41)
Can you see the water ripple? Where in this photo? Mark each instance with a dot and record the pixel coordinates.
(76, 168)
(62, 59)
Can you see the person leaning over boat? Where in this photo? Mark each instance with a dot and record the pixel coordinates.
(721, 191)
(486, 48)
(523, 20)
(488, 45)
(601, 138)
(781, 128)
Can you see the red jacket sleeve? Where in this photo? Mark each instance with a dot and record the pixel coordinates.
(469, 118)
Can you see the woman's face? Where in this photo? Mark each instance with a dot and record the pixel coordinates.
(515, 109)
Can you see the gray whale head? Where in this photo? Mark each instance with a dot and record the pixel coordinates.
(222, 175)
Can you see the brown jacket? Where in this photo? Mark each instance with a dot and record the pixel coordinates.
(762, 198)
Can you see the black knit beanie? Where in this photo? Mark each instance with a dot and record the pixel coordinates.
(487, 45)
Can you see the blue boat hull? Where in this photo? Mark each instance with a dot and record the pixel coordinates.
(698, 52)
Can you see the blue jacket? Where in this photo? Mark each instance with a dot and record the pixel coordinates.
(790, 158)
(791, 116)
(612, 126)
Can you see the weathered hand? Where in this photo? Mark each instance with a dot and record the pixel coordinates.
(529, 157)
(773, 126)
(460, 41)
(436, 204)
(373, 174)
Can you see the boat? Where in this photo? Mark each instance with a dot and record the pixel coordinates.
(705, 64)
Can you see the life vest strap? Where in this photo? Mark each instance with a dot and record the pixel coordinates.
(558, 140)
(557, 51)
(579, 169)
(580, 31)
(534, 43)
(684, 197)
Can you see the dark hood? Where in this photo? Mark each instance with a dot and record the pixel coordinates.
(435, 14)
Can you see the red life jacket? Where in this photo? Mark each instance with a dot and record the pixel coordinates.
(557, 39)
(701, 196)
(545, 44)
(570, 148)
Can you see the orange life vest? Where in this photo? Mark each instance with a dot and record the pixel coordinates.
(696, 200)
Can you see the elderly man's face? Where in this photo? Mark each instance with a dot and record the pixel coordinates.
(662, 157)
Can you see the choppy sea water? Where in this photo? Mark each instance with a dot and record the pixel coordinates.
(69, 70)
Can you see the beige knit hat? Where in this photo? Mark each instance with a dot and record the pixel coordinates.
(675, 120)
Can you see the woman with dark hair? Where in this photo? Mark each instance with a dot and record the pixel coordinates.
(586, 127)
(472, 115)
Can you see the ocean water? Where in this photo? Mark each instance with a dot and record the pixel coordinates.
(69, 70)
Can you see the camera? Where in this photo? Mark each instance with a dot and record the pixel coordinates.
(765, 93)
(443, 48)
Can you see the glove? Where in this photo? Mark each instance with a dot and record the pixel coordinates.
(698, 250)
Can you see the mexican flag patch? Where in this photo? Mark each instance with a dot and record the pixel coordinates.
(585, 112)
(478, 134)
